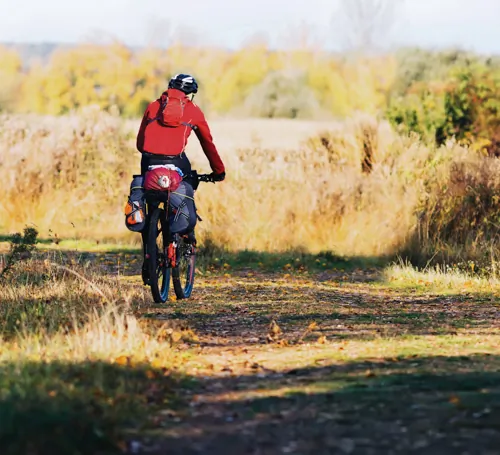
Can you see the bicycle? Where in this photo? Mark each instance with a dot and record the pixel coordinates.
(173, 256)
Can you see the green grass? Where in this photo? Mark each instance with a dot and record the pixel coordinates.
(78, 245)
(288, 261)
(78, 407)
(216, 259)
(442, 279)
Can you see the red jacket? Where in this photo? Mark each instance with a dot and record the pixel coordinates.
(158, 140)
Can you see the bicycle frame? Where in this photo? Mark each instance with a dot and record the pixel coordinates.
(175, 249)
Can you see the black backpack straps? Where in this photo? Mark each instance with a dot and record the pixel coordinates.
(193, 127)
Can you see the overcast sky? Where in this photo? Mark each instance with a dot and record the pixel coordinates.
(432, 23)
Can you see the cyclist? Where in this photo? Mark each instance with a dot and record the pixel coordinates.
(163, 136)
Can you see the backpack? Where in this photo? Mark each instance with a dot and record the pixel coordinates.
(170, 112)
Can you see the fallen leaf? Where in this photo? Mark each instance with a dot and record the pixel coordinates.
(270, 338)
(274, 333)
(370, 373)
(175, 336)
(312, 326)
(274, 328)
(321, 339)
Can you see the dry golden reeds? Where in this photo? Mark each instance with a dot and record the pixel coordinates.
(355, 188)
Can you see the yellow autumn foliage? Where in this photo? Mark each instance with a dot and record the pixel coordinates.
(115, 77)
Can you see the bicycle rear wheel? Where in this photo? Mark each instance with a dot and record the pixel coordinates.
(183, 272)
(159, 268)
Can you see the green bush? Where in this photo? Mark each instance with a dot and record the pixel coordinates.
(424, 66)
(21, 248)
(422, 111)
(465, 107)
(472, 110)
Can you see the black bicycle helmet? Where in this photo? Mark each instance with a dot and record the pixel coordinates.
(185, 83)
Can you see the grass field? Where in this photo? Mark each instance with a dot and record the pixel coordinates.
(311, 355)
(306, 333)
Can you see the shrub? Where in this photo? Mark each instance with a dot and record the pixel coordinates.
(472, 111)
(21, 247)
(420, 111)
(282, 94)
(465, 107)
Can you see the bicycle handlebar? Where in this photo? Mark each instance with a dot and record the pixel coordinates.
(201, 177)
(205, 178)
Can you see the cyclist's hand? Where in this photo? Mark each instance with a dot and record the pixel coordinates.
(218, 177)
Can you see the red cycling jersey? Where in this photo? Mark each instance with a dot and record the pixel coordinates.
(159, 140)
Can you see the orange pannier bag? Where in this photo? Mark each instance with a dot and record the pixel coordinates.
(135, 212)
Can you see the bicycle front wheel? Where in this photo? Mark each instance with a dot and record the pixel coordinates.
(159, 268)
(183, 272)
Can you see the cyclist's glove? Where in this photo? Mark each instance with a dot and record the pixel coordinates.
(218, 177)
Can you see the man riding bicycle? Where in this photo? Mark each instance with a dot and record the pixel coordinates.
(162, 139)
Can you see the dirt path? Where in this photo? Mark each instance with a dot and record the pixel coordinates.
(347, 366)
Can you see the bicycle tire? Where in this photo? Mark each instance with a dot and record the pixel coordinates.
(159, 268)
(184, 270)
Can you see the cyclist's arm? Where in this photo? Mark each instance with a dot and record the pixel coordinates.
(204, 135)
(142, 129)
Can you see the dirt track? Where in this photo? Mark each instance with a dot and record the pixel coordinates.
(348, 366)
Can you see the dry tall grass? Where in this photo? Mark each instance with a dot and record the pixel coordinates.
(78, 367)
(356, 188)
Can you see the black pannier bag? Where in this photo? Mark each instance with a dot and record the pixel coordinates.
(182, 213)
